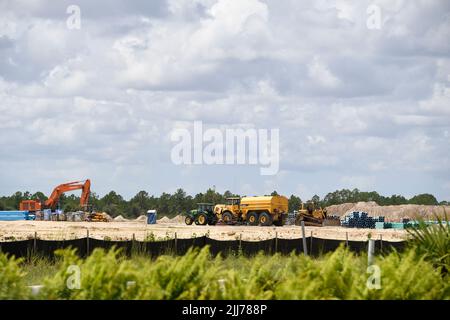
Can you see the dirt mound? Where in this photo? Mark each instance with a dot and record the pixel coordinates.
(164, 220)
(120, 218)
(391, 213)
(177, 219)
(141, 218)
(108, 217)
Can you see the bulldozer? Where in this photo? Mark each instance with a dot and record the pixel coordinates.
(96, 217)
(311, 215)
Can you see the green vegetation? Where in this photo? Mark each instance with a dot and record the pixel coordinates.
(198, 275)
(179, 202)
(433, 242)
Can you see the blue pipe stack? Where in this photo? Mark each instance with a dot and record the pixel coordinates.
(359, 219)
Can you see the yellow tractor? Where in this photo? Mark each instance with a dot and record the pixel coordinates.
(263, 211)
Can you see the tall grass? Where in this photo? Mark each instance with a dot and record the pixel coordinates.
(433, 241)
(198, 275)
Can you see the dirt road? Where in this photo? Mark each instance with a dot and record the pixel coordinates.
(58, 230)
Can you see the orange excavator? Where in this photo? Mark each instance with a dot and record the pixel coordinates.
(36, 205)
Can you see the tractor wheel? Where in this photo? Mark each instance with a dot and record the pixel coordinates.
(188, 220)
(227, 217)
(265, 219)
(201, 219)
(252, 219)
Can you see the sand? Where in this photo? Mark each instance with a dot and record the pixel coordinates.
(391, 213)
(141, 218)
(59, 230)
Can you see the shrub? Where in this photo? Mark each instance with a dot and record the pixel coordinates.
(12, 281)
(433, 242)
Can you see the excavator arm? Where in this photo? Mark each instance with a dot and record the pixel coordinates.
(85, 186)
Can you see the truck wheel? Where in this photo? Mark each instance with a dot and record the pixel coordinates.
(188, 220)
(265, 219)
(227, 217)
(252, 219)
(201, 219)
(212, 221)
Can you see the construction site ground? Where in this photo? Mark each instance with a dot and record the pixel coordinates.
(60, 230)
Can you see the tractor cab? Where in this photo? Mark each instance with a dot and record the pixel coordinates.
(208, 207)
(233, 201)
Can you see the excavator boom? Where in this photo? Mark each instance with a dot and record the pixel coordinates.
(85, 186)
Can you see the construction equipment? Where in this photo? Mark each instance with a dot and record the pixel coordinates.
(51, 203)
(264, 211)
(96, 217)
(204, 214)
(311, 215)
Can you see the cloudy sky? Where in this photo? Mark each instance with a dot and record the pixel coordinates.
(358, 104)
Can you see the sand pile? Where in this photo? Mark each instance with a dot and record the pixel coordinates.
(163, 220)
(391, 213)
(120, 218)
(141, 218)
(177, 219)
(108, 217)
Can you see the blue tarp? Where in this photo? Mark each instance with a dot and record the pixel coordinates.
(16, 215)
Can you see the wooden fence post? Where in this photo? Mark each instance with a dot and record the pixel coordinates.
(176, 243)
(310, 242)
(87, 242)
(240, 241)
(35, 242)
(346, 239)
(381, 242)
(370, 252)
(276, 241)
(305, 249)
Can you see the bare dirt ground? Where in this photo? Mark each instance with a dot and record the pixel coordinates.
(59, 230)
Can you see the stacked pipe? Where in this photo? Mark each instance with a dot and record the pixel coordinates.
(359, 219)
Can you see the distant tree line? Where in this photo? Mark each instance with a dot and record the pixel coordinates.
(168, 204)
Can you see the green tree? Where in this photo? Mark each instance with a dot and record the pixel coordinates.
(316, 200)
(424, 198)
(294, 203)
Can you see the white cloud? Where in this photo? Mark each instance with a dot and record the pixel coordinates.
(348, 102)
(360, 182)
(320, 73)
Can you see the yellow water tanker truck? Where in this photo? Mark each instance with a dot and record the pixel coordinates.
(264, 211)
